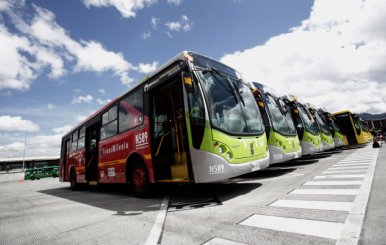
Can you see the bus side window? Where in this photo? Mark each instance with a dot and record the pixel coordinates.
(109, 123)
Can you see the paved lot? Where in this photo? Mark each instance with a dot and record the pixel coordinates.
(317, 200)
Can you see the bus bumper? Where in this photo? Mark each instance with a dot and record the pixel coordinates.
(209, 167)
(338, 143)
(326, 147)
(308, 148)
(277, 155)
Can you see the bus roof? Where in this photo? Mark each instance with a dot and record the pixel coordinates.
(342, 112)
(184, 55)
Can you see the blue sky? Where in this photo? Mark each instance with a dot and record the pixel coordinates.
(62, 60)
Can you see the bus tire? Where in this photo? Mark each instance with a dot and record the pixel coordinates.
(73, 182)
(32, 177)
(139, 180)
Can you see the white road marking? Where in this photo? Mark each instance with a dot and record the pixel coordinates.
(320, 205)
(344, 182)
(324, 229)
(221, 241)
(348, 168)
(339, 176)
(339, 192)
(344, 171)
(351, 164)
(156, 230)
(353, 225)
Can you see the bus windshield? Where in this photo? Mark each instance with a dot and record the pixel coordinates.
(281, 123)
(322, 125)
(309, 123)
(231, 105)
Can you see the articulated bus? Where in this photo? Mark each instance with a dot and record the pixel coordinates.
(307, 129)
(329, 119)
(349, 125)
(283, 141)
(325, 134)
(193, 120)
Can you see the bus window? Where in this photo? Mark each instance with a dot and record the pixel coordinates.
(131, 111)
(81, 139)
(74, 144)
(109, 123)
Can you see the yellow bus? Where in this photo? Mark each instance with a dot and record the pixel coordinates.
(350, 125)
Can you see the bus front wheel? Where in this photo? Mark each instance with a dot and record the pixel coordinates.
(139, 180)
(73, 182)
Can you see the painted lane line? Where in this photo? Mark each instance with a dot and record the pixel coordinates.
(221, 241)
(359, 161)
(353, 225)
(348, 168)
(156, 230)
(323, 229)
(339, 192)
(340, 176)
(320, 205)
(332, 182)
(351, 165)
(344, 171)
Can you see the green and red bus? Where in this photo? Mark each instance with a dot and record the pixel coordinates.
(193, 120)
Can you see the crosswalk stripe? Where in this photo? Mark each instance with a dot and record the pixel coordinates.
(347, 168)
(222, 241)
(344, 171)
(320, 205)
(340, 176)
(343, 192)
(354, 164)
(353, 182)
(324, 229)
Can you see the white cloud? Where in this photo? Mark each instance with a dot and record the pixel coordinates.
(147, 68)
(50, 106)
(41, 43)
(46, 145)
(183, 24)
(334, 59)
(9, 123)
(127, 8)
(103, 102)
(102, 91)
(175, 2)
(82, 99)
(146, 35)
(154, 22)
(62, 130)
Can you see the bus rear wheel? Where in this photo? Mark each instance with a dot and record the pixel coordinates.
(139, 180)
(73, 183)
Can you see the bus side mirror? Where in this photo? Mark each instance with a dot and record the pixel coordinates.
(188, 82)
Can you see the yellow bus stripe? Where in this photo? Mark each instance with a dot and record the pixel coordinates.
(147, 156)
(120, 161)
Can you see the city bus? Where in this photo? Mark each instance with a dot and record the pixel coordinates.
(283, 141)
(339, 139)
(350, 126)
(365, 128)
(193, 120)
(306, 127)
(41, 172)
(325, 134)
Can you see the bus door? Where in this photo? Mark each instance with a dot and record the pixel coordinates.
(168, 135)
(65, 163)
(92, 139)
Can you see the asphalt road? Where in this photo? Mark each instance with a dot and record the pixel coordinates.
(322, 199)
